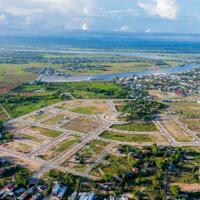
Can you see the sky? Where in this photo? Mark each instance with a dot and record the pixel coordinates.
(60, 16)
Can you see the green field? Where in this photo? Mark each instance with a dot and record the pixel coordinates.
(59, 148)
(186, 109)
(126, 137)
(30, 137)
(24, 100)
(46, 132)
(65, 145)
(83, 110)
(137, 127)
(123, 137)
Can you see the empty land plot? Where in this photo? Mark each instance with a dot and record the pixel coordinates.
(91, 107)
(59, 148)
(44, 132)
(111, 165)
(31, 165)
(31, 138)
(187, 109)
(58, 118)
(176, 131)
(86, 156)
(82, 124)
(132, 138)
(137, 127)
(15, 126)
(192, 124)
(20, 146)
(40, 115)
(70, 104)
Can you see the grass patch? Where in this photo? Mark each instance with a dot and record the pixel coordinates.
(82, 124)
(30, 137)
(126, 137)
(46, 132)
(137, 127)
(66, 144)
(84, 110)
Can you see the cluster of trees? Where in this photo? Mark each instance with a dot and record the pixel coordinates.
(4, 136)
(155, 166)
(71, 181)
(17, 174)
(142, 109)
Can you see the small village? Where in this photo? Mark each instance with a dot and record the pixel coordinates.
(182, 84)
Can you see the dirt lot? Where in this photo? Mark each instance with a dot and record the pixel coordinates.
(98, 106)
(83, 124)
(20, 146)
(192, 124)
(31, 165)
(189, 187)
(59, 118)
(15, 126)
(59, 148)
(41, 115)
(176, 131)
(40, 132)
(86, 156)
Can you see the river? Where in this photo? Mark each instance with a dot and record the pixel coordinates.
(110, 77)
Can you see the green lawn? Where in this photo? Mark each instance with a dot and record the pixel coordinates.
(137, 127)
(66, 144)
(46, 132)
(30, 137)
(126, 137)
(84, 110)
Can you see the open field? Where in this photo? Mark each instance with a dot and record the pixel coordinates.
(192, 124)
(82, 124)
(31, 138)
(43, 131)
(12, 75)
(186, 109)
(86, 156)
(111, 165)
(20, 146)
(137, 127)
(59, 118)
(27, 98)
(176, 131)
(59, 148)
(86, 106)
(15, 126)
(133, 137)
(93, 109)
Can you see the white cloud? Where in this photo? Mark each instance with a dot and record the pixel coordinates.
(163, 8)
(85, 26)
(29, 20)
(3, 19)
(123, 29)
(148, 30)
